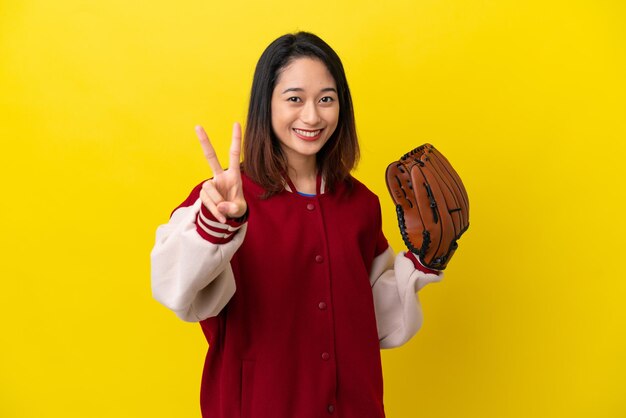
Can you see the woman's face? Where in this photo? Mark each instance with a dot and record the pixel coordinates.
(305, 108)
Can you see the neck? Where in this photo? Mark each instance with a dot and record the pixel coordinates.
(303, 174)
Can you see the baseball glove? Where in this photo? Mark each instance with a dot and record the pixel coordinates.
(431, 203)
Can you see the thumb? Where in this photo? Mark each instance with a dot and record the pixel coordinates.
(229, 209)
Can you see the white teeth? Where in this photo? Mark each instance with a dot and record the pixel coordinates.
(307, 133)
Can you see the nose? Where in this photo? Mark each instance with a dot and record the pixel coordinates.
(310, 114)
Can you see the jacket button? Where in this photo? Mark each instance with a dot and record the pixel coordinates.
(310, 206)
(321, 305)
(331, 408)
(319, 258)
(325, 356)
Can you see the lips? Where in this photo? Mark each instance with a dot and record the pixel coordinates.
(307, 134)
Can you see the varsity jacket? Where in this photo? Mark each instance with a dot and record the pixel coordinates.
(295, 302)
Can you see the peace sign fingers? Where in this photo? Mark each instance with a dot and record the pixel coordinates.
(209, 151)
(223, 194)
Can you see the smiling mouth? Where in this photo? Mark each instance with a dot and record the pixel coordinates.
(308, 135)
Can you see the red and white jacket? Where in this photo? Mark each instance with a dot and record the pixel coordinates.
(295, 302)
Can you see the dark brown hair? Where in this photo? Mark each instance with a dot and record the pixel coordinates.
(264, 161)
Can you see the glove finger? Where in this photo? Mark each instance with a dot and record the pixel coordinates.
(449, 190)
(410, 222)
(456, 181)
(438, 222)
(429, 217)
(458, 186)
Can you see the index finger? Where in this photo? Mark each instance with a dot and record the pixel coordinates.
(235, 148)
(209, 152)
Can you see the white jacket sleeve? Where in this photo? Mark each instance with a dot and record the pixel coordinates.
(395, 282)
(190, 275)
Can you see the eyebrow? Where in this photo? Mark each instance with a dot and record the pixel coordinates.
(298, 89)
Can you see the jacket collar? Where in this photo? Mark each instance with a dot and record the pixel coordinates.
(320, 185)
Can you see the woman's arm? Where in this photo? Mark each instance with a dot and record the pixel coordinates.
(395, 282)
(191, 273)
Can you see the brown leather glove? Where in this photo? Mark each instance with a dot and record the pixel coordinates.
(431, 203)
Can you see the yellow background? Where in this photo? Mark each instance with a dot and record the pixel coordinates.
(98, 101)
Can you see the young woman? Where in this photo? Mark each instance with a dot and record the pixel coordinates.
(283, 260)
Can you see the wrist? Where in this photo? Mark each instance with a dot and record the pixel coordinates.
(214, 231)
(242, 218)
(418, 264)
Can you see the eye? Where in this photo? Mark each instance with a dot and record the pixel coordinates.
(294, 99)
(327, 99)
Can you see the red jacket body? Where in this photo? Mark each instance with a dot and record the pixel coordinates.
(298, 339)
